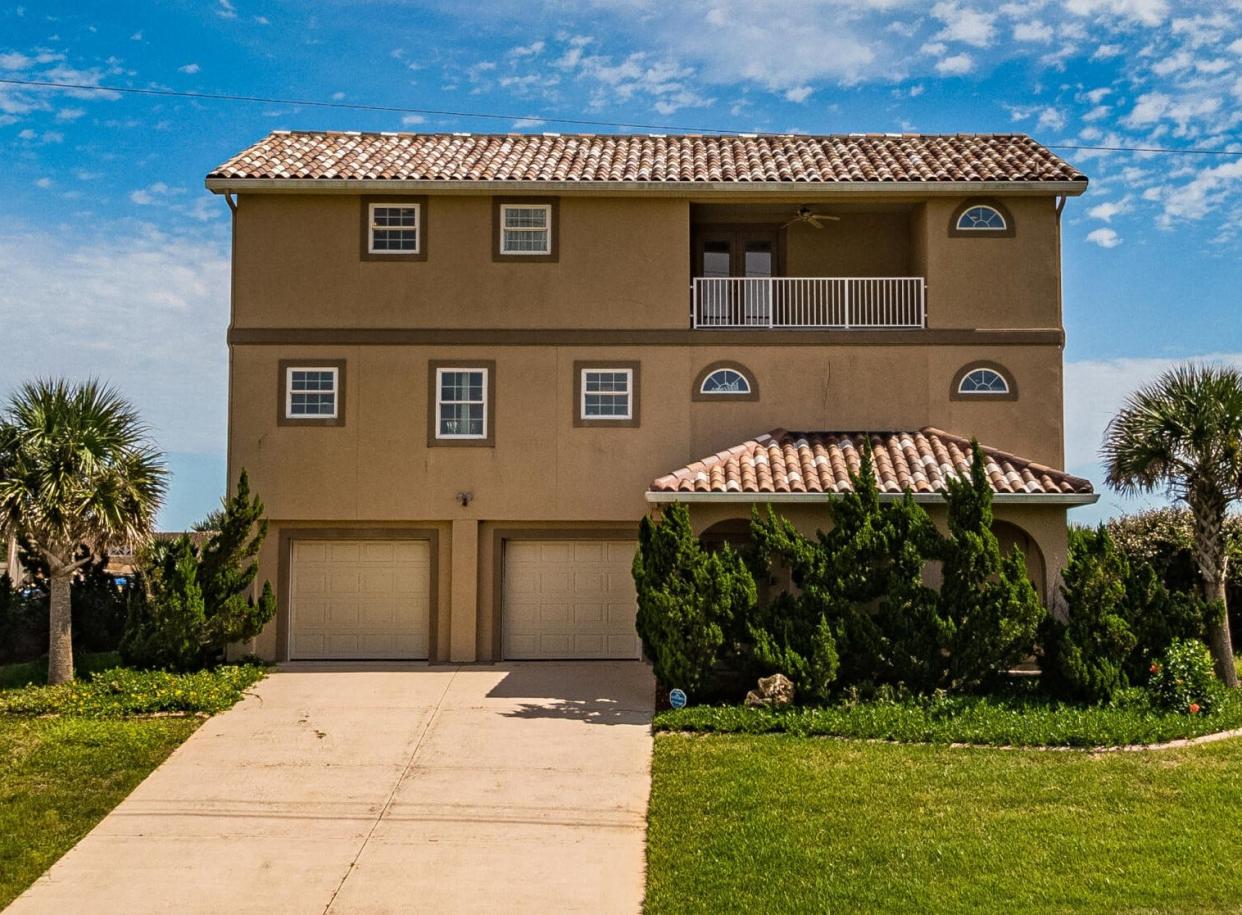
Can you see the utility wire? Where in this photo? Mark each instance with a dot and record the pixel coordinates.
(581, 122)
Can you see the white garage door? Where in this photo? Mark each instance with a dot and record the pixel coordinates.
(353, 599)
(569, 599)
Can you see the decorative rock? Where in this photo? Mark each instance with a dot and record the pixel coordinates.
(775, 691)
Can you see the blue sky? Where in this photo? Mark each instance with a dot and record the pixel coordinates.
(115, 260)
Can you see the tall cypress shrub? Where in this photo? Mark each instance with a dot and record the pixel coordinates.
(988, 607)
(1084, 659)
(688, 600)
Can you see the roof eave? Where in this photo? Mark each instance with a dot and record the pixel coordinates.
(223, 185)
(1000, 498)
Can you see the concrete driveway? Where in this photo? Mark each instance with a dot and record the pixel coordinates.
(516, 788)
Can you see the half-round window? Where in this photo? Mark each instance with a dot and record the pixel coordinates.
(981, 218)
(983, 381)
(725, 381)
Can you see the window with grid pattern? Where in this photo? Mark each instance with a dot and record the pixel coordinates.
(310, 393)
(983, 381)
(394, 228)
(461, 403)
(725, 381)
(981, 219)
(606, 393)
(525, 229)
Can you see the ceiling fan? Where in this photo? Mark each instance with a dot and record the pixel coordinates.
(806, 214)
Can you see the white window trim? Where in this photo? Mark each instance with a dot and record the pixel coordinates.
(982, 368)
(1004, 226)
(703, 387)
(440, 371)
(547, 212)
(629, 395)
(289, 392)
(418, 227)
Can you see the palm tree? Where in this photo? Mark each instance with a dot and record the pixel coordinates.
(1184, 432)
(76, 468)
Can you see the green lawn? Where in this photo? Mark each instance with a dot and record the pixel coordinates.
(60, 776)
(777, 823)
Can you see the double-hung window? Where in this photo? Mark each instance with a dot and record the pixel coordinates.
(525, 229)
(607, 394)
(311, 393)
(394, 229)
(461, 403)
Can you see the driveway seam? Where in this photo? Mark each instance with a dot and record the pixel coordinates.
(409, 764)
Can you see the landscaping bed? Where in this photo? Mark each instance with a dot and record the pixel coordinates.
(120, 692)
(1019, 721)
(771, 823)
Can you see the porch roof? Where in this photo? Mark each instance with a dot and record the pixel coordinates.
(795, 466)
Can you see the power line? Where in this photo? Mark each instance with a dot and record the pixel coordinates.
(390, 109)
(581, 122)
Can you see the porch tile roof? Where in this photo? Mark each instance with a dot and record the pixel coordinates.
(884, 158)
(821, 462)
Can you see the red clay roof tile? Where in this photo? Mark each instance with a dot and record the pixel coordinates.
(816, 462)
(623, 157)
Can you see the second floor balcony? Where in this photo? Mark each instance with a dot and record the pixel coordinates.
(820, 302)
(800, 267)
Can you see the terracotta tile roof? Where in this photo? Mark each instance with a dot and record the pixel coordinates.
(815, 462)
(692, 158)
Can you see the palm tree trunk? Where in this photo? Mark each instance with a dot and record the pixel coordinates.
(1209, 519)
(1219, 635)
(60, 639)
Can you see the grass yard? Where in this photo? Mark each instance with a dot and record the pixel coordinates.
(60, 776)
(70, 753)
(778, 823)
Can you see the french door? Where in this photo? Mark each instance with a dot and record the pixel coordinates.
(740, 262)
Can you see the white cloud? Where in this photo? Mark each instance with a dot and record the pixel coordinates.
(1105, 238)
(70, 114)
(963, 24)
(44, 183)
(189, 68)
(1204, 193)
(1035, 31)
(225, 9)
(149, 195)
(1105, 51)
(1145, 12)
(1108, 209)
(142, 310)
(956, 65)
(14, 60)
(534, 49)
(798, 94)
(411, 120)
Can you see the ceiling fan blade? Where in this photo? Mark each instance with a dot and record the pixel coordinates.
(814, 220)
(791, 222)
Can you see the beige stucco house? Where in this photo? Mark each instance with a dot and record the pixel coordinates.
(462, 367)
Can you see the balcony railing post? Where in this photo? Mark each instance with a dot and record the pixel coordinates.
(848, 285)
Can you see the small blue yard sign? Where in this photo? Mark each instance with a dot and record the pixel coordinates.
(677, 698)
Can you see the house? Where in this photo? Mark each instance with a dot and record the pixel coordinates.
(462, 367)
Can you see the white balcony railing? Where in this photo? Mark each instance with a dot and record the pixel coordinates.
(833, 302)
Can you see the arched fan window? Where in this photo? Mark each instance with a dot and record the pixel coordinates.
(981, 218)
(983, 381)
(725, 381)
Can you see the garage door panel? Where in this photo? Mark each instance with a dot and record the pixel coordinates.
(568, 599)
(360, 599)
